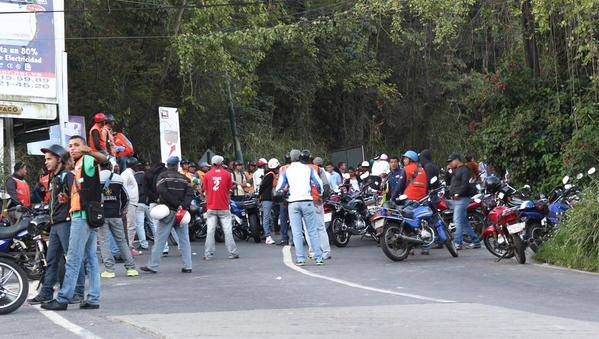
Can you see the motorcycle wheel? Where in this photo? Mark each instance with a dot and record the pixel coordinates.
(192, 233)
(449, 244)
(478, 222)
(394, 248)
(519, 249)
(14, 286)
(339, 238)
(492, 245)
(255, 227)
(536, 239)
(239, 233)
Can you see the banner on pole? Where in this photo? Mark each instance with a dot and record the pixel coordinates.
(170, 138)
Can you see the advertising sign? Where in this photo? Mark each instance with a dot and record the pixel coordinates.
(28, 50)
(170, 139)
(75, 126)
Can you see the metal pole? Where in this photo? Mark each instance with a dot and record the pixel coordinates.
(61, 59)
(233, 120)
(10, 138)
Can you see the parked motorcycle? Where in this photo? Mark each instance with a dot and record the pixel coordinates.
(246, 218)
(351, 215)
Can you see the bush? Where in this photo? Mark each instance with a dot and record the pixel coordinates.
(576, 243)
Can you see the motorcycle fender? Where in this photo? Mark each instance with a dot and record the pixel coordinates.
(489, 230)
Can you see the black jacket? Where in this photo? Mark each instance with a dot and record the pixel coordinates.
(174, 189)
(150, 180)
(266, 187)
(430, 168)
(115, 196)
(141, 187)
(61, 183)
(460, 182)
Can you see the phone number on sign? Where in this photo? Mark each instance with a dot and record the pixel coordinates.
(24, 81)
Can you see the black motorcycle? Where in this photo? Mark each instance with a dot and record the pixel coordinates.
(351, 216)
(246, 218)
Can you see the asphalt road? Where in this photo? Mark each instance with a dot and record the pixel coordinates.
(359, 293)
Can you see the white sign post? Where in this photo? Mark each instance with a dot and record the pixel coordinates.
(170, 138)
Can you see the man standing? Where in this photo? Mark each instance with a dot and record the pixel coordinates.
(430, 168)
(240, 181)
(283, 207)
(459, 191)
(175, 191)
(130, 184)
(265, 193)
(86, 190)
(116, 202)
(381, 166)
(218, 184)
(325, 246)
(333, 177)
(150, 180)
(394, 174)
(59, 189)
(17, 187)
(259, 173)
(299, 178)
(142, 206)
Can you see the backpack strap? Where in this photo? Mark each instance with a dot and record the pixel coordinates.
(414, 176)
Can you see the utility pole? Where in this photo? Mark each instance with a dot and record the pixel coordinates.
(233, 120)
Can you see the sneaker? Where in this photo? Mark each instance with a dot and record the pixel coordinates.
(458, 247)
(320, 262)
(87, 306)
(269, 241)
(54, 305)
(283, 243)
(108, 275)
(147, 269)
(38, 300)
(473, 246)
(134, 253)
(207, 257)
(132, 272)
(186, 270)
(77, 299)
(300, 263)
(233, 256)
(165, 254)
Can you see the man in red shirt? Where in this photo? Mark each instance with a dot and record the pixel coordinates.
(218, 183)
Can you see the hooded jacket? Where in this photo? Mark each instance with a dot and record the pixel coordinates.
(430, 168)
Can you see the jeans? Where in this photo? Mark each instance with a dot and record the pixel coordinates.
(140, 214)
(460, 219)
(82, 246)
(284, 221)
(299, 212)
(325, 246)
(153, 224)
(131, 224)
(266, 217)
(165, 226)
(58, 245)
(213, 218)
(114, 226)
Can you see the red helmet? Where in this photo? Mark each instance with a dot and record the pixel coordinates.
(183, 217)
(100, 117)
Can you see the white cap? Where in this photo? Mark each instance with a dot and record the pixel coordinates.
(217, 160)
(384, 156)
(273, 163)
(365, 164)
(263, 160)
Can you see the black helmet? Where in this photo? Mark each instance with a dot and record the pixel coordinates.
(58, 151)
(305, 156)
(132, 162)
(287, 157)
(493, 184)
(110, 118)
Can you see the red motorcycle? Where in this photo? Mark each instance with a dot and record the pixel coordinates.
(504, 238)
(476, 215)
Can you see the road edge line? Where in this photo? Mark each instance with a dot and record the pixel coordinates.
(289, 263)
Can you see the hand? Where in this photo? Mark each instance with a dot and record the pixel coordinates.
(85, 149)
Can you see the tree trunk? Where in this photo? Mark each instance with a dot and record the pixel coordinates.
(530, 42)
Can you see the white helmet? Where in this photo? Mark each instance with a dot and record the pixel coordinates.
(159, 212)
(365, 164)
(273, 163)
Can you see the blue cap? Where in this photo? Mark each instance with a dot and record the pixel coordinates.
(412, 156)
(172, 161)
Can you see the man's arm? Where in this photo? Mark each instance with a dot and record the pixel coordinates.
(315, 179)
(400, 187)
(100, 158)
(11, 188)
(188, 197)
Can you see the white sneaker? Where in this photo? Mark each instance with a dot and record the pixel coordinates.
(269, 241)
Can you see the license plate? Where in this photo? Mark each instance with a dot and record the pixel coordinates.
(516, 228)
(328, 217)
(379, 223)
(501, 195)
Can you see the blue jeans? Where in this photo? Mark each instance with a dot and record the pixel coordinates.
(304, 212)
(153, 224)
(266, 217)
(284, 221)
(325, 246)
(82, 246)
(58, 245)
(460, 219)
(165, 226)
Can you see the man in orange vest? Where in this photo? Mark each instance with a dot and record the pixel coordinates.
(99, 137)
(85, 193)
(17, 187)
(120, 145)
(413, 182)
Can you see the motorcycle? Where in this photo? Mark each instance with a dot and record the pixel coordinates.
(246, 222)
(197, 225)
(22, 256)
(351, 215)
(476, 215)
(414, 224)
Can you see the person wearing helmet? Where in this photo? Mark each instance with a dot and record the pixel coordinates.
(413, 182)
(130, 185)
(259, 173)
(174, 191)
(117, 202)
(59, 189)
(381, 166)
(99, 139)
(460, 190)
(265, 193)
(121, 145)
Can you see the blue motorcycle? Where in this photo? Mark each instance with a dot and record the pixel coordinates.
(416, 223)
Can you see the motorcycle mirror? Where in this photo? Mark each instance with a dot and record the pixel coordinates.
(565, 180)
(433, 180)
(365, 175)
(4, 196)
(526, 187)
(579, 176)
(567, 186)
(591, 170)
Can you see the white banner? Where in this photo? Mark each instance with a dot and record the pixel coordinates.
(170, 139)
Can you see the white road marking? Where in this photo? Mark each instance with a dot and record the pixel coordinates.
(559, 268)
(289, 263)
(59, 320)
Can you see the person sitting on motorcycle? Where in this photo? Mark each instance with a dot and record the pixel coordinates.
(459, 191)
(60, 183)
(17, 187)
(413, 181)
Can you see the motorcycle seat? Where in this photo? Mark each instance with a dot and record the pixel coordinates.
(11, 231)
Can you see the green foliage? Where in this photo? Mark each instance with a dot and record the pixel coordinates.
(576, 243)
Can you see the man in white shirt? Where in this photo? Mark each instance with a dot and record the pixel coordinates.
(298, 178)
(259, 173)
(130, 185)
(381, 167)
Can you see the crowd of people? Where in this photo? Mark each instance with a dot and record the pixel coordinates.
(100, 196)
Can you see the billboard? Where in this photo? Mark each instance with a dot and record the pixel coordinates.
(170, 138)
(28, 50)
(75, 126)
